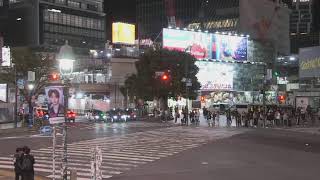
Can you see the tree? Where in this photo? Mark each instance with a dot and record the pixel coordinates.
(27, 59)
(146, 85)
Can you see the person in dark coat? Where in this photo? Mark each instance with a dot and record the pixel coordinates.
(27, 164)
(17, 163)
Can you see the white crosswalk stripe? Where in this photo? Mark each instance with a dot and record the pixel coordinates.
(125, 152)
(135, 124)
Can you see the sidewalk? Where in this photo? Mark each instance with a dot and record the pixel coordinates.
(10, 175)
(9, 130)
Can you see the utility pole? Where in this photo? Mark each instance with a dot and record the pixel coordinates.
(64, 163)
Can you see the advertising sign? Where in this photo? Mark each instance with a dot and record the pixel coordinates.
(196, 43)
(123, 33)
(55, 97)
(215, 76)
(6, 57)
(309, 62)
(3, 92)
(205, 45)
(229, 48)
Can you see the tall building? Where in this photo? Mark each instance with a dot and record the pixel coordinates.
(152, 16)
(49, 23)
(304, 23)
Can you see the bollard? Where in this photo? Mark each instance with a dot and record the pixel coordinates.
(73, 174)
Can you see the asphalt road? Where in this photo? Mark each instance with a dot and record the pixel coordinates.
(259, 154)
(154, 151)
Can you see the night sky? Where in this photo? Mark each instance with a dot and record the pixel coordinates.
(119, 10)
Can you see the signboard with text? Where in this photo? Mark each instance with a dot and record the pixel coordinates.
(309, 62)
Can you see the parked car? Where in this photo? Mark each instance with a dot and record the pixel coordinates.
(71, 116)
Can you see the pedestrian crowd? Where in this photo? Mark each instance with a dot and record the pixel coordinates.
(257, 116)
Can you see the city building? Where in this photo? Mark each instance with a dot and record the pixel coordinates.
(304, 23)
(49, 23)
(152, 16)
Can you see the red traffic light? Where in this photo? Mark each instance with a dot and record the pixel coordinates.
(164, 77)
(54, 77)
(202, 98)
(281, 98)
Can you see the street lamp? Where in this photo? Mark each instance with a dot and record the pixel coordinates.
(30, 87)
(66, 59)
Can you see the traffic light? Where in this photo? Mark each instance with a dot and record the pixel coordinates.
(54, 77)
(277, 74)
(164, 77)
(281, 99)
(202, 98)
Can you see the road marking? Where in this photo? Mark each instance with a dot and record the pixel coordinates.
(122, 153)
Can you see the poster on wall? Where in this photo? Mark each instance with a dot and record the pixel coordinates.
(215, 76)
(3, 92)
(206, 45)
(55, 97)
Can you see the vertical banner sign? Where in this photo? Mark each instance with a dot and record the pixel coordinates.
(55, 97)
(6, 56)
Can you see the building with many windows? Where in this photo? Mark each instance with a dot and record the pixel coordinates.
(49, 23)
(304, 23)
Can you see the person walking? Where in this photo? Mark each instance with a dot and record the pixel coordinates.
(177, 115)
(17, 161)
(27, 165)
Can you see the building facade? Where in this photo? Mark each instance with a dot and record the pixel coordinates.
(50, 23)
(304, 23)
(152, 16)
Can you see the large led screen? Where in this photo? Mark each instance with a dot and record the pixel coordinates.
(197, 43)
(123, 33)
(229, 48)
(215, 76)
(205, 45)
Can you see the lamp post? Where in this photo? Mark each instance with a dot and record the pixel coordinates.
(66, 59)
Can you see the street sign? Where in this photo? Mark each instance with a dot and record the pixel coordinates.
(20, 83)
(189, 84)
(31, 76)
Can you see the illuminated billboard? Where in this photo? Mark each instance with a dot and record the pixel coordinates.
(197, 43)
(123, 33)
(6, 57)
(3, 92)
(205, 45)
(215, 76)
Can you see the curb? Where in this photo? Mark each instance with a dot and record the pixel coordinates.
(10, 174)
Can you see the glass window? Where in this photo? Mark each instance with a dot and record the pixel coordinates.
(64, 19)
(72, 20)
(61, 1)
(68, 20)
(45, 16)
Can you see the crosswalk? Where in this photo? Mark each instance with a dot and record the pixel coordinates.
(122, 153)
(136, 124)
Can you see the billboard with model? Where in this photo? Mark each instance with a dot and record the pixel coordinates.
(206, 45)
